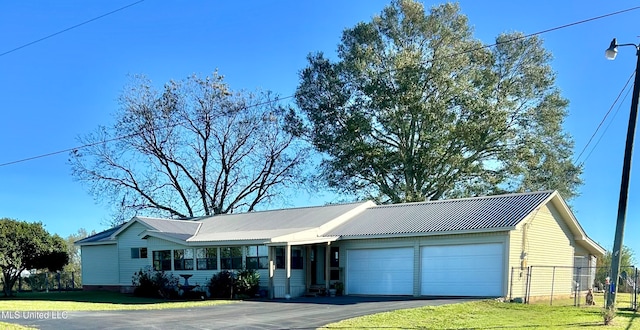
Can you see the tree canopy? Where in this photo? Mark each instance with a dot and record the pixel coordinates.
(415, 108)
(192, 148)
(26, 246)
(627, 263)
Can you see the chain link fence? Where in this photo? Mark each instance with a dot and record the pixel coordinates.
(566, 285)
(47, 281)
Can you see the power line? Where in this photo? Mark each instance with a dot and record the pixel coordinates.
(606, 128)
(70, 28)
(548, 30)
(604, 118)
(290, 96)
(117, 138)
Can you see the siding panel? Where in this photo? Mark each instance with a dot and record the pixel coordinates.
(99, 264)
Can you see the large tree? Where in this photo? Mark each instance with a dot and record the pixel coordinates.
(415, 108)
(26, 246)
(192, 148)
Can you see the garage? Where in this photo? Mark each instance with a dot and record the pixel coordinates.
(462, 270)
(380, 271)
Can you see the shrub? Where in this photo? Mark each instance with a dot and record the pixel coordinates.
(227, 285)
(221, 285)
(152, 283)
(247, 283)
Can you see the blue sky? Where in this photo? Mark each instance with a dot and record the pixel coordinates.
(63, 87)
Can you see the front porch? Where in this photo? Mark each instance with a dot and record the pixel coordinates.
(297, 269)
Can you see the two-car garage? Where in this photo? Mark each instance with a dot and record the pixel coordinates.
(444, 270)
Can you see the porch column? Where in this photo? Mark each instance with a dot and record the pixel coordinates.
(327, 266)
(307, 267)
(270, 254)
(287, 283)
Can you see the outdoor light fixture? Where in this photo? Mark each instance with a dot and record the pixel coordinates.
(611, 53)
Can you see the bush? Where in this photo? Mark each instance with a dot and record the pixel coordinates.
(221, 285)
(154, 284)
(247, 283)
(227, 285)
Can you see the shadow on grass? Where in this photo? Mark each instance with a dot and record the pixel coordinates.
(630, 314)
(106, 297)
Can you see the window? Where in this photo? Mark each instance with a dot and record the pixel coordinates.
(183, 259)
(207, 258)
(297, 261)
(334, 263)
(231, 257)
(162, 260)
(139, 253)
(257, 257)
(335, 256)
(296, 258)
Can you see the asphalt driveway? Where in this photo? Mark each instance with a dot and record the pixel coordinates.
(299, 313)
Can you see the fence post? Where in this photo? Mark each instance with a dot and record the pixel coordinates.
(553, 282)
(635, 290)
(577, 294)
(528, 290)
(73, 280)
(511, 286)
(46, 281)
(59, 283)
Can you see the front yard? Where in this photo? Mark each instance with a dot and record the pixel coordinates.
(472, 315)
(490, 314)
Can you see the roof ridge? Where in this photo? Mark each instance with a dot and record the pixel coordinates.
(280, 209)
(456, 200)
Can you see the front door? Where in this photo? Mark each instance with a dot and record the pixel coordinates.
(317, 264)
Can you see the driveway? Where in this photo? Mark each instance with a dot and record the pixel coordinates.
(298, 313)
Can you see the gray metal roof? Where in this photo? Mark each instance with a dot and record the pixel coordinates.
(481, 213)
(268, 224)
(102, 236)
(180, 227)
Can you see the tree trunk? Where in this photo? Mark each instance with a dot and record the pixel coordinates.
(9, 281)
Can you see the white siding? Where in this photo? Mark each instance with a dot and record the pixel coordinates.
(130, 238)
(99, 264)
(298, 287)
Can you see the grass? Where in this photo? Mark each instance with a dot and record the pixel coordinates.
(93, 301)
(9, 326)
(489, 314)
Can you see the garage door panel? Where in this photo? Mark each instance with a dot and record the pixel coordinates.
(462, 270)
(380, 271)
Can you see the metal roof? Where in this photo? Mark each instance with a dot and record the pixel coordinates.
(265, 224)
(468, 214)
(181, 227)
(103, 236)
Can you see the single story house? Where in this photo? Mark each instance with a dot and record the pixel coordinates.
(479, 246)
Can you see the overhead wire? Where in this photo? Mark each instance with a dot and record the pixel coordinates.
(120, 137)
(70, 28)
(605, 118)
(606, 128)
(290, 96)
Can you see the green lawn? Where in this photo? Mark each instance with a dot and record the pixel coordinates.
(92, 301)
(490, 314)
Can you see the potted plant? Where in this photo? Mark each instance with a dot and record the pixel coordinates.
(339, 287)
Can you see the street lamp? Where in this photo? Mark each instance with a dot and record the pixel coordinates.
(610, 54)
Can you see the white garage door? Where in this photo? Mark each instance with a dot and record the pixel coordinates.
(462, 270)
(380, 271)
